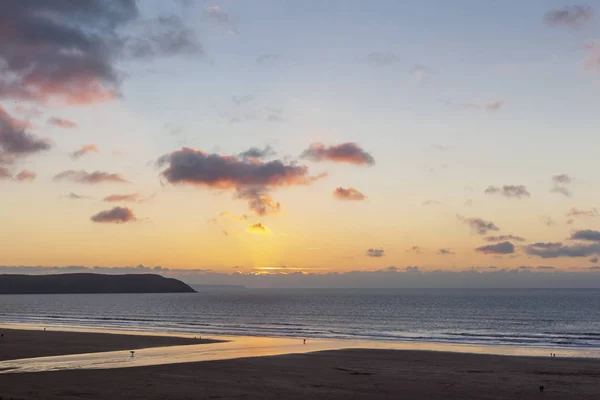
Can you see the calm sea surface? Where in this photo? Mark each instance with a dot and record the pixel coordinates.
(521, 317)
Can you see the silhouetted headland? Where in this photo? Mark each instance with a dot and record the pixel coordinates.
(90, 283)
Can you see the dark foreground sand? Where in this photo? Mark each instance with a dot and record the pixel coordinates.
(345, 374)
(33, 343)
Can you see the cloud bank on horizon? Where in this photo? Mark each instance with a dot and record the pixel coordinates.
(107, 101)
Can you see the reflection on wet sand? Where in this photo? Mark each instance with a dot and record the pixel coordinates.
(242, 347)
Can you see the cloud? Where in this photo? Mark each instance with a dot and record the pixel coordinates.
(415, 249)
(61, 123)
(258, 228)
(85, 149)
(75, 196)
(515, 191)
(163, 36)
(350, 193)
(563, 179)
(348, 152)
(25, 175)
(242, 100)
(431, 203)
(215, 14)
(594, 260)
(412, 269)
(230, 216)
(479, 225)
(380, 58)
(82, 176)
(256, 153)
(29, 112)
(586, 234)
(14, 140)
(130, 198)
(575, 212)
(545, 267)
(375, 253)
(444, 252)
(5, 173)
(554, 250)
(420, 73)
(591, 63)
(498, 248)
(569, 16)
(269, 57)
(229, 172)
(61, 50)
(503, 238)
(562, 190)
(489, 106)
(259, 200)
(117, 215)
(548, 220)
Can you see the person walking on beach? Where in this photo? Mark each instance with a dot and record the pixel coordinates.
(304, 341)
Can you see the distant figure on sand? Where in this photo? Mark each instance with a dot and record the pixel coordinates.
(541, 388)
(304, 341)
(132, 353)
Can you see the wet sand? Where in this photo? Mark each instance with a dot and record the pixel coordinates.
(39, 343)
(341, 374)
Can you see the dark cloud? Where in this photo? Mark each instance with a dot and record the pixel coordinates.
(350, 193)
(258, 228)
(586, 234)
(502, 238)
(562, 179)
(380, 59)
(130, 198)
(61, 50)
(569, 16)
(554, 250)
(269, 57)
(256, 153)
(242, 100)
(14, 140)
(444, 252)
(117, 215)
(259, 200)
(576, 212)
(515, 191)
(348, 152)
(89, 178)
(478, 225)
(375, 253)
(594, 260)
(25, 175)
(229, 172)
(163, 36)
(85, 149)
(62, 123)
(498, 248)
(216, 15)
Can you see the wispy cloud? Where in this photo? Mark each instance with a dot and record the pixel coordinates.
(268, 58)
(348, 152)
(129, 198)
(576, 212)
(569, 16)
(479, 225)
(380, 59)
(420, 73)
(591, 63)
(90, 178)
(221, 18)
(61, 123)
(445, 252)
(375, 253)
(502, 238)
(514, 191)
(350, 193)
(25, 175)
(490, 106)
(116, 215)
(85, 149)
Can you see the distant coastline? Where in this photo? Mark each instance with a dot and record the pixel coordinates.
(90, 283)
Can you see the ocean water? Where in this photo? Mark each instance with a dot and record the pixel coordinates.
(557, 318)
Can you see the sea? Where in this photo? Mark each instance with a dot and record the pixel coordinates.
(545, 318)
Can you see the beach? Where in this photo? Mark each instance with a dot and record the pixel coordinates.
(339, 374)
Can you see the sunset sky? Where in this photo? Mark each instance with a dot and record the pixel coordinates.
(315, 136)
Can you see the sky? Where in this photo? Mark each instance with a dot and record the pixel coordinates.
(246, 138)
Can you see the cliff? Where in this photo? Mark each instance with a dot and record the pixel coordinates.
(90, 283)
